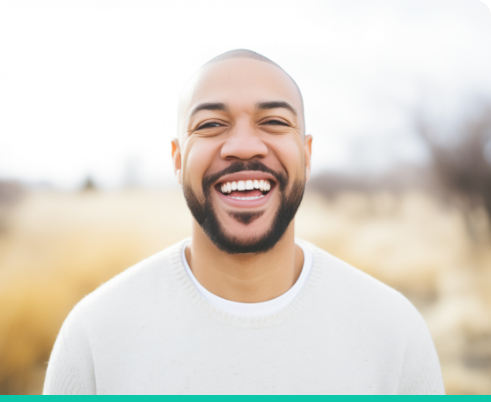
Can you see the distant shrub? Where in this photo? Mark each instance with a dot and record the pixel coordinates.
(10, 193)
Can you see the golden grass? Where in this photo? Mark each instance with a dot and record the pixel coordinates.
(60, 246)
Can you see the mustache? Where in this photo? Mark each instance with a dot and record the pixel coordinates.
(239, 166)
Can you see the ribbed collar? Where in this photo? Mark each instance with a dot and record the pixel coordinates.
(308, 292)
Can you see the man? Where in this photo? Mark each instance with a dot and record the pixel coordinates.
(243, 307)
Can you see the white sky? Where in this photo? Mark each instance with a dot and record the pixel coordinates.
(91, 87)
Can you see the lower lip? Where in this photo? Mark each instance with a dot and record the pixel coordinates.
(233, 202)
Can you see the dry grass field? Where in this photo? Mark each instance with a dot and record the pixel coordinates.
(57, 247)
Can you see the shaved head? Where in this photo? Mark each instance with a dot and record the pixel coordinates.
(240, 53)
(184, 103)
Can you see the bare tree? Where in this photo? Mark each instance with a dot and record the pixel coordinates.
(462, 163)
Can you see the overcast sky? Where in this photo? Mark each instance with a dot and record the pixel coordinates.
(91, 87)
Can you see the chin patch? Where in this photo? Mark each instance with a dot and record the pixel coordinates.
(245, 217)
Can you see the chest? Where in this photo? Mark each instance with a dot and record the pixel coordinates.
(219, 359)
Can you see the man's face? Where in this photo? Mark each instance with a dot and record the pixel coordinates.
(242, 153)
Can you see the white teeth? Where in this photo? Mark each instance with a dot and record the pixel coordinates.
(243, 185)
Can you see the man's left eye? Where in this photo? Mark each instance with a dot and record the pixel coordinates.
(276, 123)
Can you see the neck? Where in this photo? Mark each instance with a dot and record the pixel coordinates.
(246, 278)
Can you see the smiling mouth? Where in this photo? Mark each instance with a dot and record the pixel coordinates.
(245, 190)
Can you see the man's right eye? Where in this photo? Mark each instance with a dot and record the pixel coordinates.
(208, 125)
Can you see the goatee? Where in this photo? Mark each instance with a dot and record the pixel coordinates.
(205, 215)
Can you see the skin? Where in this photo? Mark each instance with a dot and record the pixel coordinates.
(210, 140)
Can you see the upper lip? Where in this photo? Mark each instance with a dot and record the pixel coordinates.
(245, 175)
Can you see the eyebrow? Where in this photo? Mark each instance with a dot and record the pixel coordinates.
(275, 105)
(209, 106)
(259, 106)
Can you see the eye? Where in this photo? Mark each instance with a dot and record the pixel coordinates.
(212, 124)
(276, 123)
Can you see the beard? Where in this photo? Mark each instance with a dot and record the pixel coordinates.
(204, 212)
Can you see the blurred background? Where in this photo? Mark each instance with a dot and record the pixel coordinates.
(398, 99)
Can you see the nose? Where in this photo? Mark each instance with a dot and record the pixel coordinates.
(243, 143)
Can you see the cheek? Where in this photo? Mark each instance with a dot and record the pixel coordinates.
(198, 156)
(289, 152)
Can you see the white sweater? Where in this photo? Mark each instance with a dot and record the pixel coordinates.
(149, 331)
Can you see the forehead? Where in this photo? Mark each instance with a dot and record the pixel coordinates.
(241, 82)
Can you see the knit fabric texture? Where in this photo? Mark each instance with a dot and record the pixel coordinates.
(149, 331)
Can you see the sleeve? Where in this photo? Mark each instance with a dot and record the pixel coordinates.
(70, 368)
(420, 373)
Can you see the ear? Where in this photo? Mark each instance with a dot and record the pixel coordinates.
(307, 146)
(176, 159)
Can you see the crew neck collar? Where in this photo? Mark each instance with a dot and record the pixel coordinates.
(253, 310)
(306, 295)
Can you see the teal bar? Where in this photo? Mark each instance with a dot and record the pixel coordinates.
(278, 398)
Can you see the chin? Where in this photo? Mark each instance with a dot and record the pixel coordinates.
(246, 234)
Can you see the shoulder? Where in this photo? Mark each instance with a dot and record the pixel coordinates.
(123, 305)
(133, 290)
(355, 292)
(378, 317)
